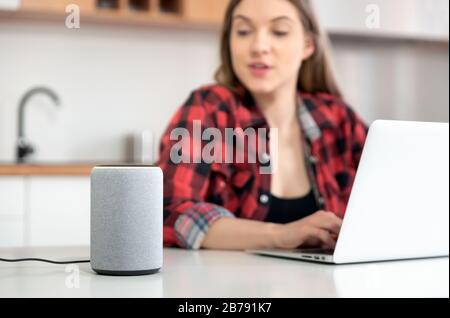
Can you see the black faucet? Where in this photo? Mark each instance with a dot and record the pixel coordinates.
(24, 148)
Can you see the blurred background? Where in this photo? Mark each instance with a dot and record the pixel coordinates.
(121, 68)
(132, 63)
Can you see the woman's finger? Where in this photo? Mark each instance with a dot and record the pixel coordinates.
(325, 237)
(327, 221)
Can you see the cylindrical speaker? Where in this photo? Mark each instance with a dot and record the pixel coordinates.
(126, 220)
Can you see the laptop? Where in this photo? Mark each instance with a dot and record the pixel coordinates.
(399, 205)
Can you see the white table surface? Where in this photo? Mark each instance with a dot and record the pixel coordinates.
(222, 274)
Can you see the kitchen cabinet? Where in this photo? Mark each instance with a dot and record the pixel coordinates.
(12, 194)
(12, 210)
(12, 231)
(59, 211)
(44, 210)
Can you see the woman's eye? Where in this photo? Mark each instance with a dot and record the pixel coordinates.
(243, 32)
(280, 33)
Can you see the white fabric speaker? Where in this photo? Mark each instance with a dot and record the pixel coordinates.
(126, 220)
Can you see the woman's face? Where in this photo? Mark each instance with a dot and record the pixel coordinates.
(268, 45)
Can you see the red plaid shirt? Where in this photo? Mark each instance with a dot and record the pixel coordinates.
(198, 194)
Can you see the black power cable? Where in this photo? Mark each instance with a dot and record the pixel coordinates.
(42, 260)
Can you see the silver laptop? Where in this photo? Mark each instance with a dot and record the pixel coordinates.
(399, 205)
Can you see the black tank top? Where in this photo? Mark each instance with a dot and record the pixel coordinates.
(284, 211)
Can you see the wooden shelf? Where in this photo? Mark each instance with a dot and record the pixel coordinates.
(206, 11)
(46, 170)
(171, 13)
(180, 14)
(385, 36)
(53, 169)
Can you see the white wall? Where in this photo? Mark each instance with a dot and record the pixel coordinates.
(427, 19)
(389, 79)
(117, 80)
(112, 81)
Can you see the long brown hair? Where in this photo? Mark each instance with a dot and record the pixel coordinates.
(316, 73)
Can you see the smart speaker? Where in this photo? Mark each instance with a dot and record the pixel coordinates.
(126, 220)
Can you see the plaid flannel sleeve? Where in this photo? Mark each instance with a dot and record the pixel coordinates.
(192, 226)
(187, 215)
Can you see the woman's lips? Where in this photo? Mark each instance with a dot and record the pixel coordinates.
(259, 70)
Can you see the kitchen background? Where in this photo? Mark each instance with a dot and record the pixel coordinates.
(126, 71)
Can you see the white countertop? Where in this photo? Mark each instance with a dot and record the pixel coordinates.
(222, 274)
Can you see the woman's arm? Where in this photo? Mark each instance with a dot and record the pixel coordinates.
(240, 234)
(318, 230)
(187, 215)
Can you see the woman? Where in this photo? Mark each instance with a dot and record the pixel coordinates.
(274, 74)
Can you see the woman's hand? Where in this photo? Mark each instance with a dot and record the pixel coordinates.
(318, 230)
